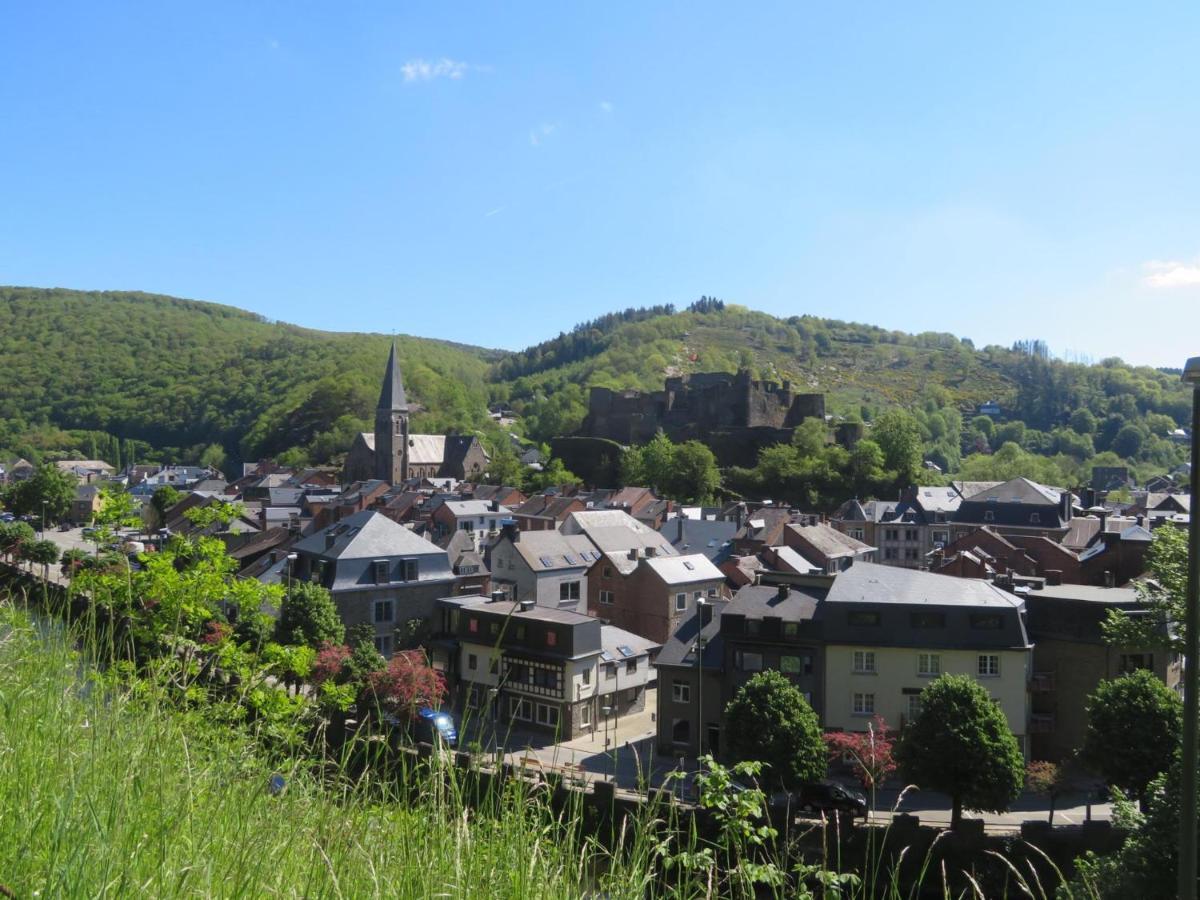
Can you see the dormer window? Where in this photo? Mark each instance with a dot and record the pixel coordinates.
(380, 567)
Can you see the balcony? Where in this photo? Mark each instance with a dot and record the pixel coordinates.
(1041, 723)
(1042, 683)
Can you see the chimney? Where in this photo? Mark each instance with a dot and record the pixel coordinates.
(1053, 577)
(330, 539)
(705, 614)
(783, 593)
(1089, 497)
(1104, 520)
(1064, 506)
(1141, 520)
(511, 531)
(494, 506)
(633, 554)
(1109, 579)
(651, 552)
(679, 535)
(527, 605)
(499, 596)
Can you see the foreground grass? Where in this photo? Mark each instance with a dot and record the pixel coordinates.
(103, 794)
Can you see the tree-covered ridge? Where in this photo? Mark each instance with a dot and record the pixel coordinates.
(116, 374)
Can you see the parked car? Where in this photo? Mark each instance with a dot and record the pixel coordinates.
(830, 797)
(433, 726)
(7, 517)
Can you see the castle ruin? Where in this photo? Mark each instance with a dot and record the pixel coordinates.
(733, 414)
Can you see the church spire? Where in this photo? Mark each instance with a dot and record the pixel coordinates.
(391, 397)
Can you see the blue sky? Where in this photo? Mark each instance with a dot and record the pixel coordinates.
(496, 173)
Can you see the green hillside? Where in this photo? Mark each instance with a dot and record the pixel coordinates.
(122, 375)
(116, 374)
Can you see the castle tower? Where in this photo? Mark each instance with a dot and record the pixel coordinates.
(391, 426)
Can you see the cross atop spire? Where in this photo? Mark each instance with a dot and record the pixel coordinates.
(391, 397)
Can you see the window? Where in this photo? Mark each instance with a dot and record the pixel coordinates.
(585, 716)
(380, 567)
(864, 661)
(789, 665)
(989, 516)
(863, 618)
(608, 571)
(890, 553)
(520, 632)
(911, 553)
(383, 611)
(687, 565)
(891, 534)
(630, 666)
(473, 625)
(864, 704)
(748, 662)
(606, 597)
(925, 619)
(681, 731)
(551, 638)
(465, 526)
(988, 621)
(520, 709)
(939, 537)
(989, 665)
(1131, 662)
(493, 628)
(681, 692)
(791, 629)
(1035, 519)
(547, 715)
(411, 569)
(568, 590)
(587, 676)
(911, 534)
(929, 664)
(698, 596)
(610, 670)
(856, 533)
(914, 706)
(680, 602)
(383, 643)
(472, 661)
(712, 593)
(753, 627)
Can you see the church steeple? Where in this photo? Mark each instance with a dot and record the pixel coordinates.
(391, 397)
(391, 426)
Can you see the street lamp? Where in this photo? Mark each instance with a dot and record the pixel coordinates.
(606, 711)
(291, 564)
(1191, 667)
(700, 604)
(43, 534)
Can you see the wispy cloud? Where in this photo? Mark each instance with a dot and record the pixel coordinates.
(493, 212)
(429, 69)
(1171, 273)
(539, 134)
(606, 106)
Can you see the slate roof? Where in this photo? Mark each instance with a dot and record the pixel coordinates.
(391, 395)
(677, 651)
(755, 601)
(792, 561)
(612, 637)
(708, 536)
(684, 569)
(561, 551)
(831, 542)
(1126, 596)
(367, 535)
(465, 508)
(898, 596)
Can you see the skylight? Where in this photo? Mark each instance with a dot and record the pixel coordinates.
(687, 565)
(546, 561)
(625, 650)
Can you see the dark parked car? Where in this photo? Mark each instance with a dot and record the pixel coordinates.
(432, 726)
(829, 797)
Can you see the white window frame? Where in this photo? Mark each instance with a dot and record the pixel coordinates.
(391, 612)
(863, 703)
(606, 597)
(914, 706)
(546, 714)
(863, 662)
(988, 665)
(681, 691)
(681, 601)
(929, 665)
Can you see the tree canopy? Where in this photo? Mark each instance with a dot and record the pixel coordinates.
(769, 721)
(1134, 728)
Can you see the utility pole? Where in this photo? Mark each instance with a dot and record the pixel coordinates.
(700, 604)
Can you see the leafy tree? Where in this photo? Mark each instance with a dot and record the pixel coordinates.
(1134, 727)
(553, 474)
(48, 483)
(308, 616)
(505, 467)
(985, 426)
(164, 498)
(871, 752)
(1009, 432)
(694, 477)
(1162, 621)
(1129, 441)
(364, 658)
(1047, 779)
(961, 745)
(899, 436)
(866, 467)
(1083, 422)
(770, 721)
(406, 684)
(42, 553)
(72, 561)
(14, 536)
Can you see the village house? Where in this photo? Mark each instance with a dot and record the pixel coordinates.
(826, 547)
(481, 519)
(1019, 506)
(378, 572)
(546, 567)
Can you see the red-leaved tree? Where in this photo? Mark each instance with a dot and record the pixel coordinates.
(406, 684)
(330, 663)
(869, 752)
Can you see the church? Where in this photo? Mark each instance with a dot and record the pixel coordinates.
(394, 455)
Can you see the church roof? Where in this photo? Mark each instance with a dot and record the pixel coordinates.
(392, 395)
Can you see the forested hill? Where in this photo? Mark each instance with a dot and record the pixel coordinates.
(116, 375)
(120, 375)
(1069, 413)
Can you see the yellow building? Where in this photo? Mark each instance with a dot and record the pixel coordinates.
(889, 632)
